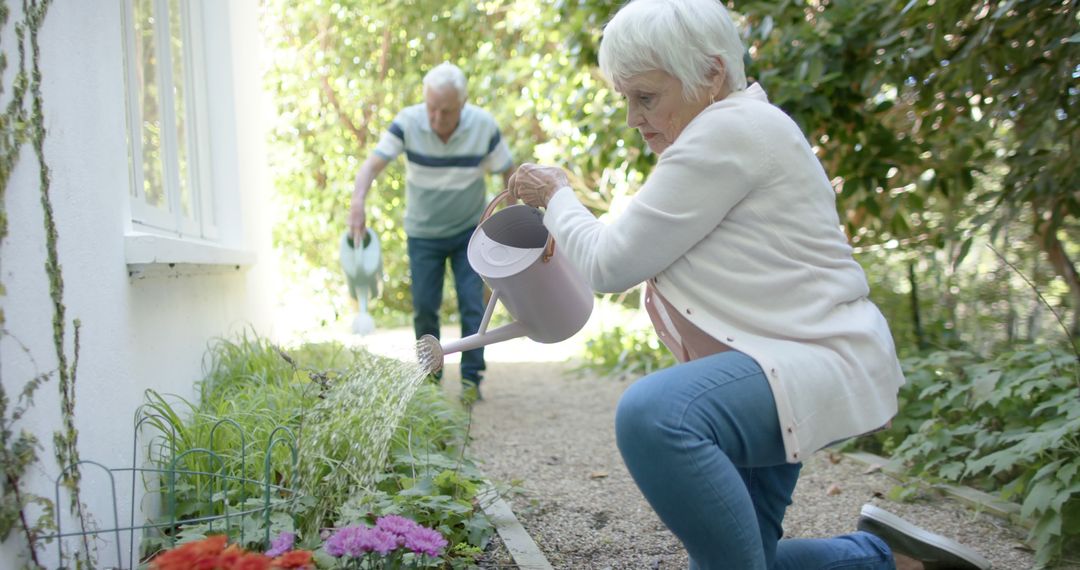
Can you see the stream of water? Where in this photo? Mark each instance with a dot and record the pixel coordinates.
(347, 437)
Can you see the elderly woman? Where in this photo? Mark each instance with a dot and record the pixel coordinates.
(751, 283)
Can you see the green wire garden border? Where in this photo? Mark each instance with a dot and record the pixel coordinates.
(218, 486)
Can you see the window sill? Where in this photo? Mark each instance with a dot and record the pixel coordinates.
(149, 254)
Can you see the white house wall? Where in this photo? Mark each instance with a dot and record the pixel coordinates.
(147, 331)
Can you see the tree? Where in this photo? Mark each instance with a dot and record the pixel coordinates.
(911, 101)
(936, 119)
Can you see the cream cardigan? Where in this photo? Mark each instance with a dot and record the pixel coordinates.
(738, 224)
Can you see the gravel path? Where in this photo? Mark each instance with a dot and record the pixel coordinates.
(552, 433)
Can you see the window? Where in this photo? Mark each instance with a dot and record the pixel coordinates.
(167, 141)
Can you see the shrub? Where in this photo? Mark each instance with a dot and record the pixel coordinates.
(1009, 424)
(625, 351)
(373, 439)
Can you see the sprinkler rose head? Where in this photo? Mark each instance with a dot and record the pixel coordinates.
(429, 353)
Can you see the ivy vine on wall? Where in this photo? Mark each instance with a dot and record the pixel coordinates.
(23, 122)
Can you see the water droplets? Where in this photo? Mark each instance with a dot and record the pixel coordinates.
(346, 437)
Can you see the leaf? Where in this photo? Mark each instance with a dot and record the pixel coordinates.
(998, 461)
(1068, 473)
(965, 247)
(1047, 469)
(1040, 497)
(920, 52)
(908, 6)
(903, 493)
(983, 387)
(952, 471)
(767, 27)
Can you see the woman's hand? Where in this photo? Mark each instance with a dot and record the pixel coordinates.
(535, 184)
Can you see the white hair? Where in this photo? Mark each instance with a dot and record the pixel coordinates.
(680, 37)
(446, 75)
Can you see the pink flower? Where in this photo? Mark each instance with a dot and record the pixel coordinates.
(350, 541)
(383, 542)
(396, 525)
(357, 540)
(425, 541)
(282, 544)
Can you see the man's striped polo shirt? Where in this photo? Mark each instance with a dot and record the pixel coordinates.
(445, 190)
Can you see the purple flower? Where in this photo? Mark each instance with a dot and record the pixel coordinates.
(282, 544)
(383, 542)
(347, 541)
(397, 525)
(425, 541)
(357, 540)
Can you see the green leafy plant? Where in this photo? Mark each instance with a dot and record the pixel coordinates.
(18, 451)
(373, 440)
(1009, 424)
(624, 351)
(21, 122)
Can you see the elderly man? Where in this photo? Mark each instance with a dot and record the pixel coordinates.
(449, 145)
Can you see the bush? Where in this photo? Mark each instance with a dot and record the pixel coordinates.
(1009, 425)
(373, 439)
(625, 351)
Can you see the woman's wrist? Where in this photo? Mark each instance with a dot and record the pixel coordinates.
(551, 194)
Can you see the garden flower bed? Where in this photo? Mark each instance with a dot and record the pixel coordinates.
(394, 542)
(366, 459)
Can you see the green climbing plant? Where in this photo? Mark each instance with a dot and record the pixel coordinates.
(23, 122)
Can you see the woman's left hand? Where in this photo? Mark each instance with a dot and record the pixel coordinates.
(535, 184)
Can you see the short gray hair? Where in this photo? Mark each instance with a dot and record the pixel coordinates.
(446, 75)
(680, 37)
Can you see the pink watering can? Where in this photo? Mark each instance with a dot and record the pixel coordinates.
(515, 255)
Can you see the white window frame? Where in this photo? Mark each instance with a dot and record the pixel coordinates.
(171, 221)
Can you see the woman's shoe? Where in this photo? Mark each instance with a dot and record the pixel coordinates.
(935, 551)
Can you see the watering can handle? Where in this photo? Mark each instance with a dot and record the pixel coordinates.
(549, 249)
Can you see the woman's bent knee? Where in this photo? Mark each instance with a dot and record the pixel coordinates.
(640, 415)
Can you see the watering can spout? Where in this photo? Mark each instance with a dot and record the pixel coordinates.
(430, 353)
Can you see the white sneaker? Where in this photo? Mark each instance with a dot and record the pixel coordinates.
(935, 551)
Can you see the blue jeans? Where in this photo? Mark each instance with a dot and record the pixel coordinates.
(702, 441)
(427, 264)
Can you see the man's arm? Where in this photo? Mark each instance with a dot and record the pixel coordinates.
(506, 174)
(369, 171)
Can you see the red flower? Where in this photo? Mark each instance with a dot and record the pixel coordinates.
(251, 561)
(201, 554)
(299, 559)
(212, 554)
(230, 556)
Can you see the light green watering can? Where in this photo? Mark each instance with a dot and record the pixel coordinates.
(363, 271)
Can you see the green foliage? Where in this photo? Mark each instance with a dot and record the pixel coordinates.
(930, 95)
(946, 126)
(625, 351)
(981, 304)
(18, 452)
(938, 121)
(373, 439)
(1010, 425)
(341, 75)
(21, 122)
(432, 489)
